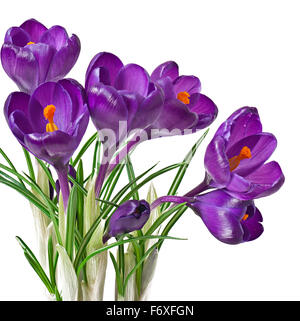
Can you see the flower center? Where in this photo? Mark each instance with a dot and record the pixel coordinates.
(49, 114)
(184, 97)
(30, 43)
(245, 217)
(235, 160)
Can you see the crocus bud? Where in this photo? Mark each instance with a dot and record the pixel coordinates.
(130, 216)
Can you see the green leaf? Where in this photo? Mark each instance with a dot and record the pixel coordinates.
(84, 149)
(71, 219)
(118, 275)
(35, 265)
(92, 229)
(80, 198)
(29, 164)
(51, 262)
(47, 172)
(171, 223)
(10, 163)
(131, 177)
(182, 170)
(107, 247)
(163, 217)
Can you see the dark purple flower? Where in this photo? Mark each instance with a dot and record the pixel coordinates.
(50, 123)
(130, 216)
(32, 54)
(184, 106)
(118, 93)
(235, 158)
(228, 219)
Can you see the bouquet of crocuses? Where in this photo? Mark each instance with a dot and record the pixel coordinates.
(79, 217)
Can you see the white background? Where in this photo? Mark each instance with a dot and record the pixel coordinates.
(245, 53)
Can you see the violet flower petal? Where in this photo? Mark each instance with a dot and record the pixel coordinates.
(108, 61)
(17, 36)
(128, 217)
(34, 28)
(64, 59)
(133, 78)
(20, 65)
(222, 215)
(190, 84)
(106, 107)
(167, 69)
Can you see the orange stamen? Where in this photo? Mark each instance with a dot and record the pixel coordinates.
(184, 97)
(235, 160)
(30, 43)
(49, 114)
(245, 217)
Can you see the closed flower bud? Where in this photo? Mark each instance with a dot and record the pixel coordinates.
(130, 216)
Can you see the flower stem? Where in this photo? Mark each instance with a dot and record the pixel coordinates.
(62, 174)
(100, 178)
(205, 185)
(169, 199)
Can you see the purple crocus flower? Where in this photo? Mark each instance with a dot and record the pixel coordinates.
(228, 219)
(185, 108)
(235, 158)
(130, 216)
(32, 54)
(50, 123)
(118, 93)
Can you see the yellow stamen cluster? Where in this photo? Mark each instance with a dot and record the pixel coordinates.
(235, 160)
(49, 114)
(184, 97)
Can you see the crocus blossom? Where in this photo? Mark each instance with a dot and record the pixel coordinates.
(228, 219)
(50, 123)
(235, 158)
(185, 108)
(118, 93)
(32, 54)
(130, 216)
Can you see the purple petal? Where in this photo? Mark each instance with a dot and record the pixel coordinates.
(107, 60)
(216, 162)
(252, 225)
(19, 125)
(190, 84)
(265, 181)
(64, 59)
(205, 108)
(21, 66)
(167, 69)
(133, 78)
(166, 85)
(17, 37)
(132, 102)
(77, 95)
(34, 28)
(242, 123)
(56, 37)
(106, 107)
(222, 215)
(16, 101)
(50, 93)
(176, 117)
(56, 148)
(149, 110)
(96, 76)
(43, 54)
(262, 147)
